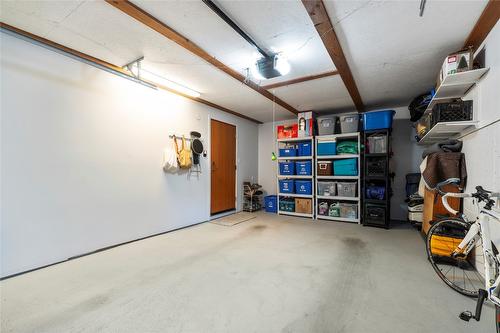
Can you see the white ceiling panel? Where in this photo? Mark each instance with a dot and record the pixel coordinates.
(393, 53)
(323, 95)
(98, 29)
(279, 25)
(45, 15)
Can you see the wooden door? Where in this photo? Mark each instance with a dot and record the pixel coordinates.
(223, 167)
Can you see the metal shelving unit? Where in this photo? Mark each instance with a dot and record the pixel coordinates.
(381, 180)
(339, 137)
(295, 177)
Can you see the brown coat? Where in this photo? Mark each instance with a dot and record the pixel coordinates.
(443, 166)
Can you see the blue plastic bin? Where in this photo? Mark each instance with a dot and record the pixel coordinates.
(287, 168)
(375, 192)
(303, 187)
(327, 148)
(378, 119)
(303, 168)
(345, 167)
(286, 185)
(287, 152)
(304, 149)
(271, 203)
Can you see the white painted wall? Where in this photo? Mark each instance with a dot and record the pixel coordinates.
(268, 169)
(81, 158)
(407, 159)
(482, 148)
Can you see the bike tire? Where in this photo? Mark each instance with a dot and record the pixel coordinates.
(445, 229)
(497, 318)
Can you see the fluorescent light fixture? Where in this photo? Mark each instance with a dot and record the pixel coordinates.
(281, 64)
(143, 74)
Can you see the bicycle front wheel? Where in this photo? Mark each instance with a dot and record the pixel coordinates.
(497, 318)
(461, 274)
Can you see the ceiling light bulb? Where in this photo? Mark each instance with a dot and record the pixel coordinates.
(255, 72)
(281, 64)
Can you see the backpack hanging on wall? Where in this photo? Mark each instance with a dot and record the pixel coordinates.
(183, 155)
(170, 158)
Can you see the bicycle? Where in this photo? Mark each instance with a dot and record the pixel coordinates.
(462, 254)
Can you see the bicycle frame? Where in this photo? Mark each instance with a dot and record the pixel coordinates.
(481, 228)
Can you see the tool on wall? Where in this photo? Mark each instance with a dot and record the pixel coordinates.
(197, 149)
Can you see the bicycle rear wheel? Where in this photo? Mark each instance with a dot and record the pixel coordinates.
(461, 274)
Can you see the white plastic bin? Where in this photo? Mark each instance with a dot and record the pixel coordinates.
(377, 144)
(348, 210)
(345, 189)
(327, 188)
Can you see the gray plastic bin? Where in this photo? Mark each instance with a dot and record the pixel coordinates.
(326, 125)
(349, 123)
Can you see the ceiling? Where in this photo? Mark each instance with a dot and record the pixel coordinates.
(393, 53)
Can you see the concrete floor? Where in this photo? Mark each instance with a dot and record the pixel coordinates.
(270, 274)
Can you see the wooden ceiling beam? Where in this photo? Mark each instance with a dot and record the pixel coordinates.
(113, 68)
(319, 16)
(486, 22)
(150, 21)
(299, 80)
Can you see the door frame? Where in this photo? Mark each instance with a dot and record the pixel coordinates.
(209, 155)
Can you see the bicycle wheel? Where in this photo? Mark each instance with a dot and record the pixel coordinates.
(497, 318)
(461, 274)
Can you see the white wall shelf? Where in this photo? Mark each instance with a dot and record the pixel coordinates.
(338, 198)
(337, 177)
(455, 86)
(336, 157)
(337, 219)
(293, 195)
(294, 177)
(318, 198)
(308, 138)
(337, 136)
(294, 158)
(445, 130)
(282, 212)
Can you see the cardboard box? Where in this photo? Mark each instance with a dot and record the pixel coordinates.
(303, 206)
(287, 131)
(306, 122)
(457, 62)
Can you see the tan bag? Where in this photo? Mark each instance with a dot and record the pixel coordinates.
(183, 155)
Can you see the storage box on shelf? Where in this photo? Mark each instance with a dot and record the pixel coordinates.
(349, 123)
(376, 180)
(337, 177)
(295, 185)
(452, 86)
(326, 125)
(375, 120)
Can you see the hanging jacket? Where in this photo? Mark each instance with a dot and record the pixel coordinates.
(444, 166)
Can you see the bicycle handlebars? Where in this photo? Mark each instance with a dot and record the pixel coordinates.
(480, 194)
